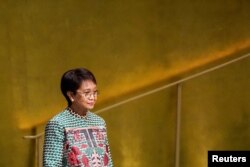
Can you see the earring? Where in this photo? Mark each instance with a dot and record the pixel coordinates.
(72, 100)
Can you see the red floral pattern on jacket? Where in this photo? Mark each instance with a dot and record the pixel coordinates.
(87, 147)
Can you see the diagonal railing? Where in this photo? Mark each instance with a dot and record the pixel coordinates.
(39, 136)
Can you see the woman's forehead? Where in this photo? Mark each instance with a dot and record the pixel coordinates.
(87, 84)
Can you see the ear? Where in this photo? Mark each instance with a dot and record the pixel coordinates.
(70, 95)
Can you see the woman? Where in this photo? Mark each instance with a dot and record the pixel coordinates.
(77, 137)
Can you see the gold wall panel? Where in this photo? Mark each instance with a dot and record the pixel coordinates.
(130, 46)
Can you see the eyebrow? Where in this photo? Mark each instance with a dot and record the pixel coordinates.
(89, 90)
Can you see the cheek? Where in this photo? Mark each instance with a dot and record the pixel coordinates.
(80, 100)
(84, 101)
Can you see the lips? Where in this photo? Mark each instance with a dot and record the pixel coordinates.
(91, 104)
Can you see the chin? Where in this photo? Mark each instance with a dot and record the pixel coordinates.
(90, 108)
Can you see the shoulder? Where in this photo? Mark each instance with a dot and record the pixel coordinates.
(58, 120)
(96, 118)
(60, 116)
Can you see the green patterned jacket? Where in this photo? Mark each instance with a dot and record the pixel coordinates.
(71, 141)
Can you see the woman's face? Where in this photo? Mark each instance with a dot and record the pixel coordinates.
(86, 96)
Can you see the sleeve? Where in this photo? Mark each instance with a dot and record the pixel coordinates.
(53, 145)
(110, 163)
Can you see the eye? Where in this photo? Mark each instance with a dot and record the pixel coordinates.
(86, 93)
(89, 93)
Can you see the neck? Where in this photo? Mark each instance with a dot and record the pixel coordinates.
(78, 110)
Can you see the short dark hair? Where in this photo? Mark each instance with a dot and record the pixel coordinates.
(72, 80)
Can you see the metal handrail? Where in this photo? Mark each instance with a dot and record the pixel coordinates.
(173, 83)
(159, 89)
(34, 137)
(37, 138)
(178, 82)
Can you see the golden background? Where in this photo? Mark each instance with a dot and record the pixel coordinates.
(131, 47)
